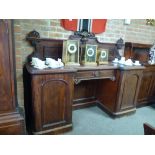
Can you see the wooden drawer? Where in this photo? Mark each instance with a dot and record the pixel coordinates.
(85, 74)
(107, 73)
(95, 74)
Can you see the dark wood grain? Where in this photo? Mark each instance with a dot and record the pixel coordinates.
(84, 94)
(120, 96)
(6, 95)
(137, 51)
(147, 87)
(51, 103)
(107, 92)
(129, 88)
(45, 47)
(148, 129)
(10, 120)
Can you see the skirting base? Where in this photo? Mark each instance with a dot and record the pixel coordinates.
(55, 131)
(11, 124)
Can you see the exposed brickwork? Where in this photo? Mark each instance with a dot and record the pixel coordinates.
(137, 32)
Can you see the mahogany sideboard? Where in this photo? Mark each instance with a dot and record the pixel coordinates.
(50, 94)
(11, 122)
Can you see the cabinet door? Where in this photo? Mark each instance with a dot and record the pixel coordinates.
(52, 101)
(129, 90)
(6, 87)
(152, 87)
(144, 87)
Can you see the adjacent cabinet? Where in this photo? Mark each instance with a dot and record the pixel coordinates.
(11, 122)
(147, 88)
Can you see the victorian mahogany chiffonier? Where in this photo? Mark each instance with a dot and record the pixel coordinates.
(51, 94)
(11, 122)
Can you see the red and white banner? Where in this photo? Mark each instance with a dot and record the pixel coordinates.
(91, 25)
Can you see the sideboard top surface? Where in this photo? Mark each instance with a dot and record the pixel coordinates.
(73, 69)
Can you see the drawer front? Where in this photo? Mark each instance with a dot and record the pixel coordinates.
(107, 73)
(86, 74)
(95, 74)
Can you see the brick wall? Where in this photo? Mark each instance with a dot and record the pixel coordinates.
(137, 32)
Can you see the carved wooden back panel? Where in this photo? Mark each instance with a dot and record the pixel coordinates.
(50, 48)
(137, 51)
(53, 48)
